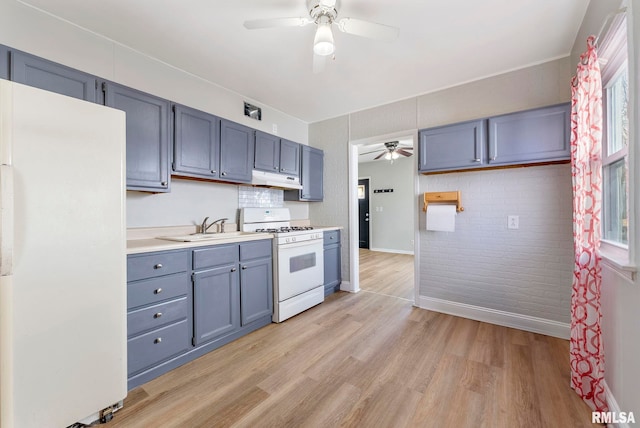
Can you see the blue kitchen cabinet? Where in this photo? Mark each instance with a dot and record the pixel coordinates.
(41, 73)
(274, 154)
(147, 136)
(311, 176)
(453, 147)
(267, 152)
(236, 152)
(158, 315)
(537, 135)
(4, 62)
(289, 157)
(216, 295)
(196, 143)
(332, 262)
(256, 281)
(523, 138)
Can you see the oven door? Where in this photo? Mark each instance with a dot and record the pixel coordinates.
(300, 268)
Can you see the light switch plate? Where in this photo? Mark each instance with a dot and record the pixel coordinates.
(513, 222)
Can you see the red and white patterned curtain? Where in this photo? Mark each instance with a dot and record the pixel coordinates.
(587, 354)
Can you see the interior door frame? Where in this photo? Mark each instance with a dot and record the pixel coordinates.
(370, 217)
(354, 256)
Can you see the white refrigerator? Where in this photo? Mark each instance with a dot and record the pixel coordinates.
(62, 258)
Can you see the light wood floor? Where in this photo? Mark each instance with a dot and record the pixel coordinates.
(368, 360)
(387, 273)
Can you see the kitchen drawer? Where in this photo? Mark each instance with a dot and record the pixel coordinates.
(156, 264)
(215, 256)
(156, 316)
(151, 348)
(155, 290)
(255, 250)
(331, 237)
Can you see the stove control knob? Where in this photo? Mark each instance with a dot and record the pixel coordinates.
(293, 239)
(287, 240)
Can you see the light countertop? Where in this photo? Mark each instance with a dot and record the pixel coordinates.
(145, 240)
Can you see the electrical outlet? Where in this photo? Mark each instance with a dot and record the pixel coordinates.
(275, 128)
(513, 222)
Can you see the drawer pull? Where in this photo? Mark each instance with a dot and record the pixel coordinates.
(233, 269)
(331, 237)
(158, 340)
(157, 291)
(158, 266)
(157, 315)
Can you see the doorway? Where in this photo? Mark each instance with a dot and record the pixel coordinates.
(387, 265)
(363, 213)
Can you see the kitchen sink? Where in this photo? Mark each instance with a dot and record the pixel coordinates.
(204, 236)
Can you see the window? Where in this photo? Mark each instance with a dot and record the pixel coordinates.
(615, 136)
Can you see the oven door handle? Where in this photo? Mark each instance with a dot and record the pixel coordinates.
(309, 243)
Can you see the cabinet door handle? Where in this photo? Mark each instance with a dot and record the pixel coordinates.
(492, 158)
(158, 266)
(477, 160)
(157, 315)
(223, 174)
(157, 291)
(158, 340)
(163, 183)
(233, 269)
(244, 268)
(213, 171)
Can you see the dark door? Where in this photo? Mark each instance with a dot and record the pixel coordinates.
(363, 211)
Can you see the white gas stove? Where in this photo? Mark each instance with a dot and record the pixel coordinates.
(298, 261)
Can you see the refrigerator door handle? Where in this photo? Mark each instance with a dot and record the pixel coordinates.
(6, 220)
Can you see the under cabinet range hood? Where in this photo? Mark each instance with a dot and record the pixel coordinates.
(270, 179)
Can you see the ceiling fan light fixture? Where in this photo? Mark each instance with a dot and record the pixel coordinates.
(388, 156)
(323, 41)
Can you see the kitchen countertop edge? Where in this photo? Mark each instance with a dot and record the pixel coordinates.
(137, 246)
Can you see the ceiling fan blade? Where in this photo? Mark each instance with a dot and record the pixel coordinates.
(368, 29)
(276, 22)
(380, 155)
(403, 152)
(319, 62)
(366, 153)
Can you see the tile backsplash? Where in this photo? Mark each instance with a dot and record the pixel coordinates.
(258, 197)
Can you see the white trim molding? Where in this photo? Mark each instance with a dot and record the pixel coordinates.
(493, 316)
(388, 250)
(348, 287)
(613, 407)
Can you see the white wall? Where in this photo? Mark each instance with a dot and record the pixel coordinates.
(391, 214)
(41, 34)
(620, 297)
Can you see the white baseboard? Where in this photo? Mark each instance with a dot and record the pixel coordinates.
(613, 407)
(387, 250)
(493, 316)
(347, 286)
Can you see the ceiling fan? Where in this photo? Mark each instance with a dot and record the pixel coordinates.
(324, 13)
(391, 151)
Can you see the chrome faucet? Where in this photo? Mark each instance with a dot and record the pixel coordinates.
(204, 226)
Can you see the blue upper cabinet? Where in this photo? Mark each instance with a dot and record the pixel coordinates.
(147, 137)
(527, 137)
(311, 176)
(267, 152)
(273, 154)
(453, 147)
(289, 157)
(538, 135)
(236, 152)
(4, 62)
(196, 143)
(40, 73)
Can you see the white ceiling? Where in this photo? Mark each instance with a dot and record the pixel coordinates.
(442, 43)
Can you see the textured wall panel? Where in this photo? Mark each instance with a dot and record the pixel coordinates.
(386, 119)
(526, 271)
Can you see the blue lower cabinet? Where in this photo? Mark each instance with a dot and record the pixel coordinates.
(332, 262)
(183, 304)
